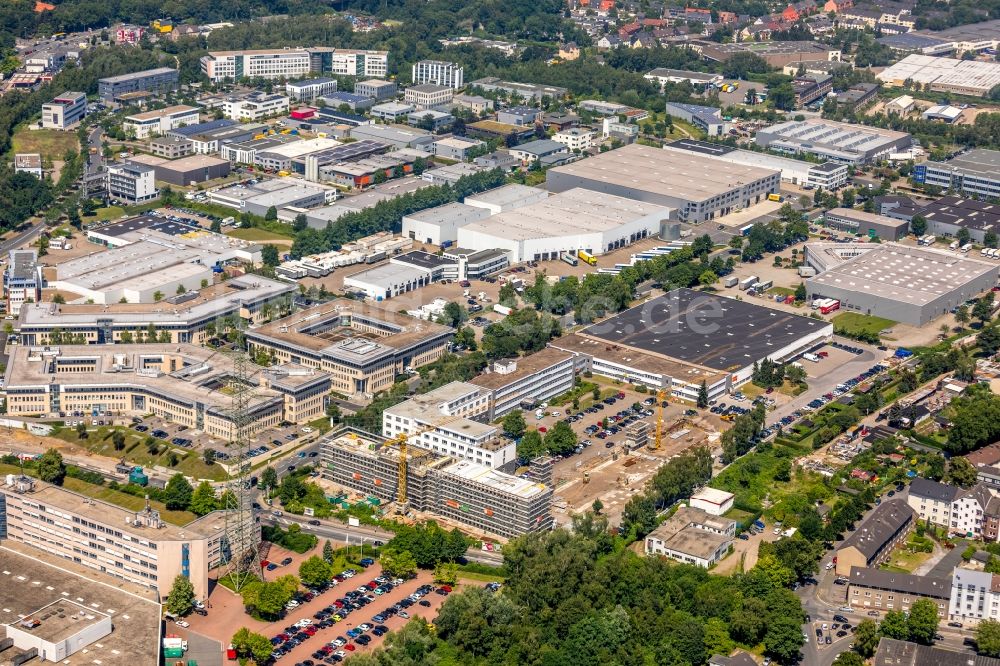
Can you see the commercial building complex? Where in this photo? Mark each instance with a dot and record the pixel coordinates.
(664, 76)
(898, 282)
(427, 95)
(64, 111)
(438, 72)
(828, 175)
(131, 183)
(291, 63)
(576, 219)
(947, 215)
(873, 540)
(459, 491)
(964, 77)
(158, 81)
(278, 192)
(975, 173)
(378, 89)
(159, 122)
(706, 118)
(866, 224)
(133, 546)
(526, 381)
(685, 338)
(526, 91)
(363, 346)
(830, 140)
(186, 171)
(309, 89)
(698, 187)
(776, 54)
(441, 224)
(254, 106)
(22, 280)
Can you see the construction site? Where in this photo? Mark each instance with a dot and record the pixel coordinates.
(418, 483)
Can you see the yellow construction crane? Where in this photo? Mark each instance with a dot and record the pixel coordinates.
(401, 442)
(661, 398)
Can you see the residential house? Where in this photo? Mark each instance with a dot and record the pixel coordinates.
(932, 500)
(609, 42)
(870, 544)
(569, 51)
(878, 589)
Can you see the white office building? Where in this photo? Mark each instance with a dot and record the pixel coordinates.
(310, 89)
(64, 111)
(444, 421)
(577, 139)
(160, 121)
(132, 183)
(255, 106)
(439, 72)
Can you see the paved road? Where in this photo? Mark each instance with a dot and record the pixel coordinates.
(21, 238)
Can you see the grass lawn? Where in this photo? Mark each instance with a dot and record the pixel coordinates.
(99, 441)
(483, 577)
(853, 322)
(904, 561)
(50, 143)
(783, 291)
(106, 214)
(255, 234)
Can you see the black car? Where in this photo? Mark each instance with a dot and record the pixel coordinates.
(424, 603)
(363, 640)
(285, 562)
(839, 618)
(314, 522)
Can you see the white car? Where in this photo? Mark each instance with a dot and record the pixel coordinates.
(304, 622)
(183, 623)
(556, 414)
(846, 609)
(292, 604)
(307, 429)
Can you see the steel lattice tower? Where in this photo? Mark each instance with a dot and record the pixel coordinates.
(242, 562)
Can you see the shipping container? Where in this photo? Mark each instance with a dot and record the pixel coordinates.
(746, 283)
(569, 259)
(731, 281)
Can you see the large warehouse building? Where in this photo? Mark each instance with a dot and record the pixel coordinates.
(576, 219)
(830, 140)
(686, 337)
(699, 188)
(906, 284)
(964, 77)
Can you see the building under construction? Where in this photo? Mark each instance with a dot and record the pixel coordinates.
(461, 491)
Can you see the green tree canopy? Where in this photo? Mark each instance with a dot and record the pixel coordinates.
(180, 601)
(51, 467)
(178, 493)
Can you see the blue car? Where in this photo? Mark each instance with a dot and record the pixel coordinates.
(367, 562)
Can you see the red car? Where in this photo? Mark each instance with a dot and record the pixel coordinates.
(621, 395)
(309, 631)
(350, 647)
(264, 563)
(447, 588)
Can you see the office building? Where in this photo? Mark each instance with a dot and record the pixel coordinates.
(662, 77)
(861, 223)
(291, 63)
(975, 173)
(254, 106)
(156, 81)
(208, 136)
(450, 421)
(455, 147)
(171, 147)
(474, 103)
(963, 77)
(310, 89)
(428, 95)
(526, 381)
(830, 140)
(576, 139)
(526, 91)
(393, 135)
(131, 183)
(902, 283)
(64, 111)
(30, 163)
(22, 280)
(692, 536)
(570, 221)
(525, 116)
(183, 384)
(392, 112)
(185, 171)
(774, 53)
(350, 62)
(356, 103)
(883, 591)
(438, 72)
(377, 89)
(397, 277)
(184, 318)
(277, 193)
(538, 149)
(706, 118)
(160, 121)
(460, 492)
(947, 215)
(872, 541)
(281, 157)
(491, 129)
(430, 120)
(712, 340)
(361, 345)
(134, 546)
(698, 187)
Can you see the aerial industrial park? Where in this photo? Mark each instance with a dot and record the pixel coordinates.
(690, 359)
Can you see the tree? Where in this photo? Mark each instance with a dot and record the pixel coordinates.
(445, 573)
(118, 439)
(990, 239)
(216, 226)
(51, 467)
(271, 215)
(800, 292)
(866, 638)
(203, 500)
(398, 563)
(315, 571)
(963, 237)
(983, 309)
(333, 412)
(178, 492)
(962, 314)
(531, 445)
(848, 659)
(328, 552)
(513, 424)
(918, 225)
(269, 256)
(269, 478)
(783, 639)
(253, 645)
(923, 621)
(960, 473)
(560, 439)
(208, 457)
(988, 638)
(299, 223)
(703, 395)
(81, 430)
(158, 296)
(894, 625)
(181, 598)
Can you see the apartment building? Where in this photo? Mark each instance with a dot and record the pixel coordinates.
(363, 346)
(156, 81)
(310, 89)
(962, 512)
(577, 139)
(871, 543)
(64, 111)
(132, 183)
(450, 421)
(183, 384)
(460, 492)
(524, 382)
(932, 500)
(254, 106)
(428, 95)
(134, 546)
(22, 280)
(877, 589)
(292, 63)
(438, 72)
(975, 596)
(159, 121)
